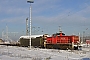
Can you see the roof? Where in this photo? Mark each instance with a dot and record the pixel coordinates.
(32, 36)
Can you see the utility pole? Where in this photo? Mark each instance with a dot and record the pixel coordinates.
(30, 1)
(60, 29)
(6, 33)
(27, 26)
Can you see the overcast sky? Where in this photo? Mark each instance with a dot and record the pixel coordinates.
(72, 15)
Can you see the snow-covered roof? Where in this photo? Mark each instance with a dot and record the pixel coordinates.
(32, 36)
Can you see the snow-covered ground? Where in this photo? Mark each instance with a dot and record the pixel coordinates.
(22, 53)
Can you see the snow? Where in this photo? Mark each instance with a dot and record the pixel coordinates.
(23, 53)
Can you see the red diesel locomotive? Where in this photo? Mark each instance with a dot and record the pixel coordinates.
(60, 41)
